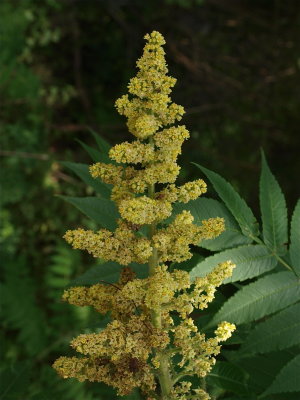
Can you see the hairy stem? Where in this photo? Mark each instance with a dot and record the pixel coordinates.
(164, 375)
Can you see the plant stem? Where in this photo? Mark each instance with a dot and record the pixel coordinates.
(164, 375)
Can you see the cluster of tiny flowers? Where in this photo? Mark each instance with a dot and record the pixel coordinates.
(116, 356)
(131, 334)
(132, 153)
(105, 297)
(183, 392)
(173, 242)
(122, 245)
(144, 210)
(128, 353)
(185, 193)
(197, 353)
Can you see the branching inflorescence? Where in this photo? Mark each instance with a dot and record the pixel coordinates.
(151, 343)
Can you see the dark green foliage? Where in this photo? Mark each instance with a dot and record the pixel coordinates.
(272, 334)
(100, 210)
(82, 171)
(229, 377)
(265, 310)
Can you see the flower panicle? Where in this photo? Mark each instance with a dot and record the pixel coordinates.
(131, 351)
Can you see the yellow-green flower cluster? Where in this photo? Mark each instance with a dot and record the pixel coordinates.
(131, 351)
(131, 334)
(105, 297)
(205, 287)
(116, 356)
(197, 353)
(183, 391)
(172, 290)
(132, 153)
(144, 210)
(122, 245)
(172, 243)
(185, 193)
(108, 173)
(152, 107)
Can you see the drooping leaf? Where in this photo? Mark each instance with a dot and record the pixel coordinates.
(103, 144)
(295, 239)
(204, 208)
(265, 296)
(102, 211)
(99, 154)
(93, 153)
(273, 210)
(82, 170)
(251, 261)
(237, 206)
(276, 333)
(108, 272)
(288, 378)
(229, 377)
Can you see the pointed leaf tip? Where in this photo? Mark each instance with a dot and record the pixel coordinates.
(237, 206)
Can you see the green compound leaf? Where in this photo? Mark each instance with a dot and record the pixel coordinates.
(251, 261)
(287, 380)
(277, 333)
(229, 377)
(295, 239)
(236, 205)
(273, 210)
(82, 171)
(258, 299)
(102, 211)
(204, 208)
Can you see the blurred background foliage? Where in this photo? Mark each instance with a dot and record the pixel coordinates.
(62, 65)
